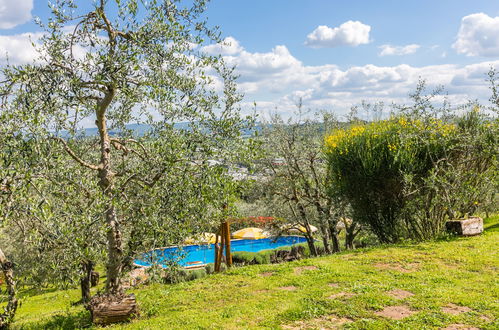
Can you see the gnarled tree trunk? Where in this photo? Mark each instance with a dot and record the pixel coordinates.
(115, 252)
(311, 245)
(325, 238)
(351, 232)
(10, 310)
(106, 182)
(306, 224)
(114, 306)
(334, 235)
(86, 280)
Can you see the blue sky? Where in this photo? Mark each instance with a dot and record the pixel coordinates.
(332, 54)
(260, 25)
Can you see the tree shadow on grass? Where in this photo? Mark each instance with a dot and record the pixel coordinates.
(492, 227)
(31, 292)
(64, 321)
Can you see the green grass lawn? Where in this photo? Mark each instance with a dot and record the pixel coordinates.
(442, 283)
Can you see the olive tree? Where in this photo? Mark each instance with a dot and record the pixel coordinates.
(55, 235)
(128, 62)
(297, 184)
(15, 165)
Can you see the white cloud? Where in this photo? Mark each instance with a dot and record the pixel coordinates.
(273, 72)
(276, 80)
(351, 33)
(229, 46)
(478, 36)
(387, 50)
(251, 65)
(18, 48)
(14, 12)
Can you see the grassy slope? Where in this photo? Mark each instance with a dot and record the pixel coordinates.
(460, 271)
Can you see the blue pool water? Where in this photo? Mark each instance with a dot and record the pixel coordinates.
(204, 254)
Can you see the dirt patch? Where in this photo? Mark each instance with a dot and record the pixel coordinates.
(266, 274)
(400, 294)
(403, 268)
(138, 272)
(260, 291)
(460, 327)
(449, 265)
(396, 312)
(288, 288)
(455, 309)
(299, 270)
(350, 257)
(342, 295)
(135, 277)
(485, 319)
(333, 285)
(324, 322)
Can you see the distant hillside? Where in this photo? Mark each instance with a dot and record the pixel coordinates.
(142, 129)
(138, 129)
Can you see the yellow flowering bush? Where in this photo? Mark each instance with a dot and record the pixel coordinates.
(367, 164)
(404, 176)
(435, 128)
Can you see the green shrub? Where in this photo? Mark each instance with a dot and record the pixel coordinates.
(393, 172)
(196, 274)
(248, 258)
(210, 268)
(319, 246)
(264, 257)
(469, 180)
(184, 275)
(267, 256)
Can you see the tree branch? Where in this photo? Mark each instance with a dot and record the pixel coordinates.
(119, 144)
(75, 157)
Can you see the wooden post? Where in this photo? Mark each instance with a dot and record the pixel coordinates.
(217, 250)
(228, 253)
(224, 233)
(222, 244)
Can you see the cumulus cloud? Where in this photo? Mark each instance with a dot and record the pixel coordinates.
(14, 12)
(18, 48)
(478, 36)
(277, 65)
(387, 50)
(252, 65)
(229, 46)
(351, 33)
(21, 48)
(276, 80)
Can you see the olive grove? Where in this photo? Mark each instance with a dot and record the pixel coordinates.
(112, 196)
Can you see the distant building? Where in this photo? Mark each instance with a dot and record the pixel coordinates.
(278, 161)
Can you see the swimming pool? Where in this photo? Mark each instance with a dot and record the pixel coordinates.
(191, 255)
